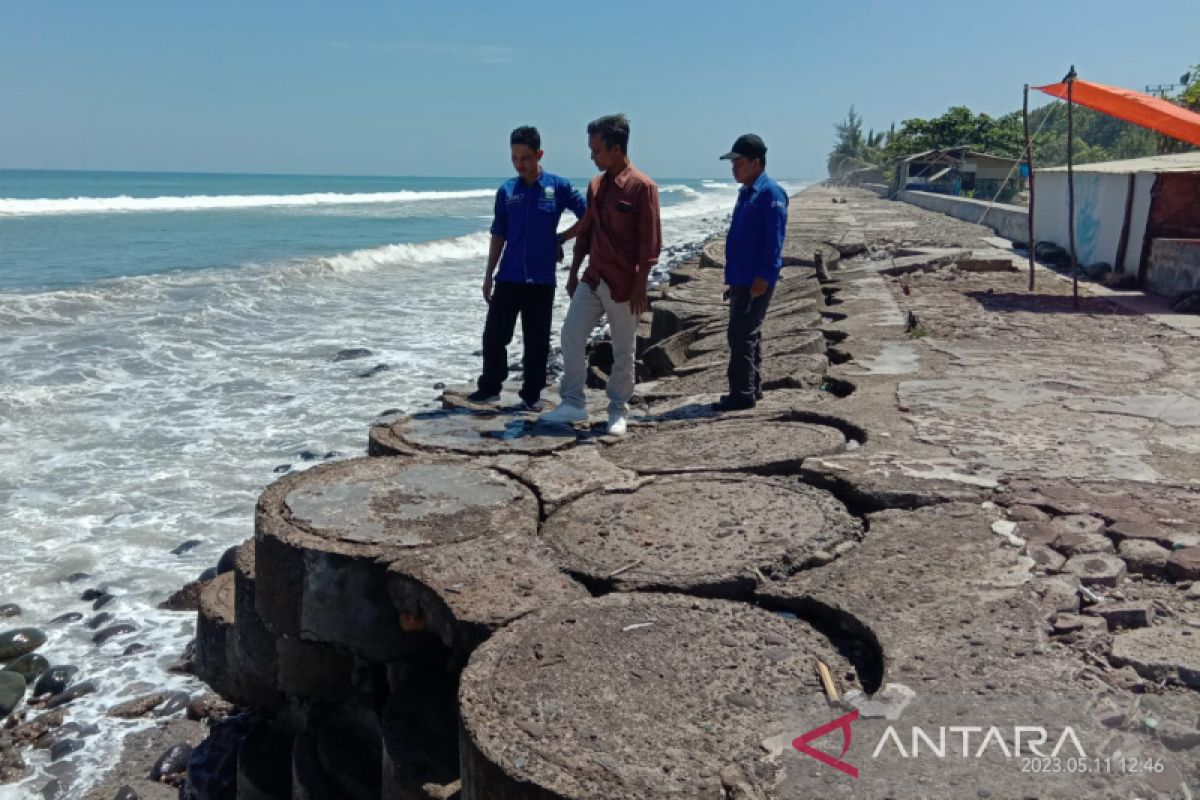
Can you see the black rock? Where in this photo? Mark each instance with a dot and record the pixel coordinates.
(98, 620)
(76, 577)
(212, 769)
(351, 353)
(387, 412)
(227, 560)
(54, 790)
(113, 630)
(175, 702)
(126, 793)
(332, 454)
(72, 693)
(91, 594)
(208, 575)
(134, 649)
(28, 666)
(308, 455)
(184, 547)
(70, 616)
(12, 691)
(439, 386)
(281, 468)
(54, 680)
(19, 641)
(64, 748)
(102, 601)
(10, 610)
(373, 371)
(172, 763)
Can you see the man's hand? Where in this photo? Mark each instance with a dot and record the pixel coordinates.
(487, 288)
(759, 287)
(572, 284)
(638, 303)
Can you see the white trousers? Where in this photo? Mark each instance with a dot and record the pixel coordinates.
(587, 306)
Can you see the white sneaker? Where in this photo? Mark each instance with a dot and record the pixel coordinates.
(616, 424)
(564, 415)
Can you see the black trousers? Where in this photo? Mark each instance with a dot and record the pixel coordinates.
(746, 315)
(534, 302)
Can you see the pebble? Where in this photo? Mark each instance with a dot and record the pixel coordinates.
(98, 620)
(175, 702)
(54, 680)
(64, 748)
(73, 693)
(12, 691)
(126, 793)
(70, 616)
(19, 641)
(134, 649)
(185, 547)
(90, 594)
(10, 610)
(102, 601)
(138, 706)
(113, 630)
(172, 763)
(281, 468)
(28, 666)
(76, 577)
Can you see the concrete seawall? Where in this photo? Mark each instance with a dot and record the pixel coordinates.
(956, 500)
(1011, 222)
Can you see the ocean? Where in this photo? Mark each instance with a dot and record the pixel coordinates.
(168, 347)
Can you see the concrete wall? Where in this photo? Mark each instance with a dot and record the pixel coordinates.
(1174, 266)
(1099, 214)
(1011, 222)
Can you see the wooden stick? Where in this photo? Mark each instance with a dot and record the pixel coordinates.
(1071, 184)
(826, 676)
(1029, 166)
(625, 568)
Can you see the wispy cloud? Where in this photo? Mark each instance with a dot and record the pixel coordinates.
(470, 53)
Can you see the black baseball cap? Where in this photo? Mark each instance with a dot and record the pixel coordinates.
(747, 145)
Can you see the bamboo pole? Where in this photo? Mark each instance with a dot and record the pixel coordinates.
(1029, 165)
(1070, 81)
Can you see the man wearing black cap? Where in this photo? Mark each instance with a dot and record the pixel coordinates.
(753, 256)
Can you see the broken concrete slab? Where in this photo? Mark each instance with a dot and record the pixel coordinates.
(1144, 557)
(1184, 564)
(1097, 569)
(658, 537)
(1160, 653)
(1138, 614)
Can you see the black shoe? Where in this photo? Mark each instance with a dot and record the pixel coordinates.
(758, 395)
(727, 403)
(480, 396)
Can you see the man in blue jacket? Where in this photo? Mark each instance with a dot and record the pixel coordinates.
(753, 257)
(525, 245)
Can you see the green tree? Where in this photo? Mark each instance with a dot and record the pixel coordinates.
(850, 147)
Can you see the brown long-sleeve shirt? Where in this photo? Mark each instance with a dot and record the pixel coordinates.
(621, 232)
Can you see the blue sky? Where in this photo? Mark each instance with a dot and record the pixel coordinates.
(402, 88)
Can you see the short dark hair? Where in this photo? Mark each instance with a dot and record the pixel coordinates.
(613, 129)
(527, 135)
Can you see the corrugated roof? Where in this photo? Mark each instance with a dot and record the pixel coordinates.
(1179, 162)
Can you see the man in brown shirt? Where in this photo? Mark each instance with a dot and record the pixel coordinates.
(622, 234)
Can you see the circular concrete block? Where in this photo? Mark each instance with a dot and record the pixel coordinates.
(706, 534)
(464, 591)
(775, 447)
(466, 432)
(1096, 569)
(220, 660)
(776, 342)
(636, 696)
(330, 532)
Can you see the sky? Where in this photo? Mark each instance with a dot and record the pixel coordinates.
(405, 88)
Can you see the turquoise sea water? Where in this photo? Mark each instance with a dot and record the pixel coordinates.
(167, 349)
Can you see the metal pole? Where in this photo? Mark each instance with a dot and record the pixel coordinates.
(1071, 184)
(1029, 165)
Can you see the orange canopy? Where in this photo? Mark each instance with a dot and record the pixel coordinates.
(1140, 109)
